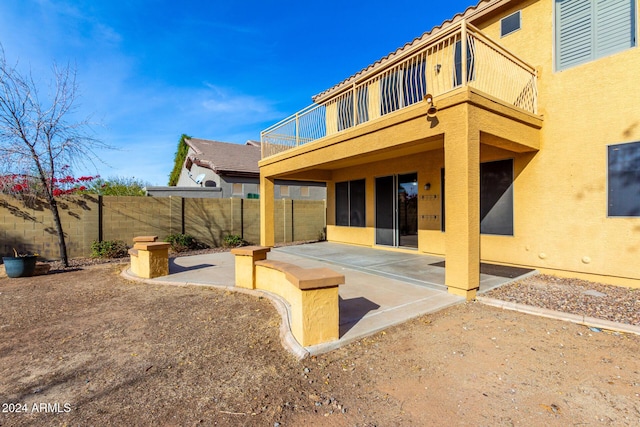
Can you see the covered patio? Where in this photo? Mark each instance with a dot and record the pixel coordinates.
(422, 150)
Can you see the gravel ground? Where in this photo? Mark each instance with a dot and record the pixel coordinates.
(575, 296)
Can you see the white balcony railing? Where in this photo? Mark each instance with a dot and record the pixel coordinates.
(435, 65)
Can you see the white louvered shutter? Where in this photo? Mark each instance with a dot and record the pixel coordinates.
(590, 29)
(614, 26)
(574, 32)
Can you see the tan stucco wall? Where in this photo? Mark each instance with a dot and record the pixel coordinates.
(561, 196)
(560, 192)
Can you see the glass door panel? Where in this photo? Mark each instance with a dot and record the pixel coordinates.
(408, 210)
(397, 210)
(385, 210)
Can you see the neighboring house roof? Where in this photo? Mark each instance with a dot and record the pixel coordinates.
(473, 12)
(224, 158)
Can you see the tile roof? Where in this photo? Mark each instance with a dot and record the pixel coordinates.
(225, 158)
(470, 12)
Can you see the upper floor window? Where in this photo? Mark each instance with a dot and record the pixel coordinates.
(404, 85)
(591, 29)
(457, 61)
(345, 105)
(510, 24)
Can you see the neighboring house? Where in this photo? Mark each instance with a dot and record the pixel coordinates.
(223, 170)
(526, 153)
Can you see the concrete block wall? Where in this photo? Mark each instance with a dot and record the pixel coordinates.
(27, 224)
(305, 219)
(208, 220)
(251, 221)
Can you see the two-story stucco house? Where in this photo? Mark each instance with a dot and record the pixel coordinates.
(509, 134)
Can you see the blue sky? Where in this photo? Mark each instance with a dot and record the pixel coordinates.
(150, 71)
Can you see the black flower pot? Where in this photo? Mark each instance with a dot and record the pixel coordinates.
(22, 266)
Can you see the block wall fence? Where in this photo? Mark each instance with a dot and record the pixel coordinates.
(27, 224)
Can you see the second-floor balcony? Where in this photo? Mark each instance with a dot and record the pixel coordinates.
(457, 56)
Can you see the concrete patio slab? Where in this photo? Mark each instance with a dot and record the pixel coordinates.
(382, 288)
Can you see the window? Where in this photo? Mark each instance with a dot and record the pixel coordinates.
(496, 197)
(350, 203)
(345, 111)
(344, 104)
(304, 191)
(284, 191)
(362, 97)
(510, 24)
(591, 29)
(624, 179)
(457, 59)
(237, 189)
(390, 87)
(403, 86)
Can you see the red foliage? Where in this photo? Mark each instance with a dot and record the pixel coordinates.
(23, 184)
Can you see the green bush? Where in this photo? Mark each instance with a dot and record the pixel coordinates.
(233, 241)
(109, 249)
(182, 242)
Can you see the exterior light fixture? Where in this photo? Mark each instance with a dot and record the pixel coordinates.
(427, 186)
(432, 108)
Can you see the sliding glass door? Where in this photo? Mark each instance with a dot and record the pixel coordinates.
(397, 210)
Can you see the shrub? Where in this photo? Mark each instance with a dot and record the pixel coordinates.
(182, 242)
(109, 249)
(233, 241)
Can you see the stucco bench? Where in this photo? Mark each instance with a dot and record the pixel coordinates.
(305, 278)
(312, 293)
(245, 258)
(149, 258)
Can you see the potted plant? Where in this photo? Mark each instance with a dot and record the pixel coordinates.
(20, 265)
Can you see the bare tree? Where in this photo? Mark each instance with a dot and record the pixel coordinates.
(39, 136)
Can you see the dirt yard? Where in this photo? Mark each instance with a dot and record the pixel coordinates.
(87, 347)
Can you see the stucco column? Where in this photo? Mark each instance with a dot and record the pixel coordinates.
(267, 237)
(462, 206)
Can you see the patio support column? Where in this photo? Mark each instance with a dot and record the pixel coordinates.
(267, 237)
(462, 206)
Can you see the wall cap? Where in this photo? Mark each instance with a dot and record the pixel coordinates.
(305, 278)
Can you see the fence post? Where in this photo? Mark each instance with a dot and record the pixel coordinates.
(182, 222)
(100, 218)
(293, 239)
